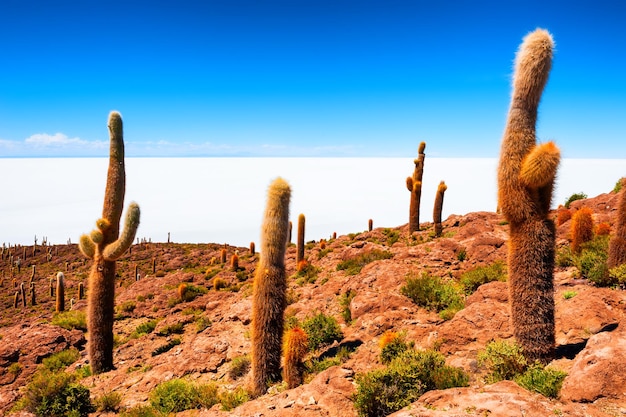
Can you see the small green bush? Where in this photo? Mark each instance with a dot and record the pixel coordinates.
(193, 291)
(109, 401)
(354, 265)
(176, 328)
(384, 391)
(394, 348)
(461, 255)
(55, 394)
(344, 303)
(233, 399)
(569, 294)
(392, 236)
(178, 395)
(476, 277)
(73, 319)
(564, 257)
(202, 323)
(61, 360)
(143, 329)
(574, 197)
(618, 274)
(618, 186)
(592, 261)
(166, 347)
(503, 360)
(434, 294)
(321, 330)
(546, 381)
(142, 411)
(307, 274)
(239, 366)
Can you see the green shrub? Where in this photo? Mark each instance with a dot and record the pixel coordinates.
(166, 347)
(307, 274)
(564, 257)
(15, 368)
(461, 255)
(193, 291)
(178, 395)
(61, 360)
(344, 303)
(618, 186)
(569, 294)
(546, 381)
(592, 261)
(232, 399)
(51, 394)
(239, 366)
(144, 328)
(321, 330)
(73, 319)
(354, 265)
(476, 277)
(574, 197)
(394, 348)
(202, 323)
(142, 411)
(384, 391)
(434, 294)
(503, 360)
(176, 328)
(127, 306)
(618, 274)
(392, 236)
(109, 401)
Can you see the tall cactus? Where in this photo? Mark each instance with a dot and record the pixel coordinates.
(60, 301)
(300, 244)
(617, 245)
(414, 185)
(441, 189)
(104, 245)
(270, 286)
(526, 175)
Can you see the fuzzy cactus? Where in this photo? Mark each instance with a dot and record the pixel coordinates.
(269, 289)
(414, 185)
(617, 244)
(441, 189)
(105, 245)
(295, 347)
(234, 262)
(526, 175)
(60, 304)
(581, 228)
(223, 256)
(300, 244)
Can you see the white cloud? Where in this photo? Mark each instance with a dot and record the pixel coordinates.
(58, 139)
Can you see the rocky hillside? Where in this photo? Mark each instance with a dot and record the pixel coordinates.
(203, 335)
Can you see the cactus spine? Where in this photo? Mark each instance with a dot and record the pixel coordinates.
(617, 244)
(526, 175)
(104, 245)
(414, 185)
(269, 290)
(295, 346)
(441, 189)
(300, 244)
(581, 228)
(60, 304)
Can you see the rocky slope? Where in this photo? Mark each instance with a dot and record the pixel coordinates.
(213, 328)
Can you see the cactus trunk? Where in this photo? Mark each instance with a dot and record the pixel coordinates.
(526, 174)
(300, 245)
(441, 189)
(617, 245)
(270, 286)
(414, 185)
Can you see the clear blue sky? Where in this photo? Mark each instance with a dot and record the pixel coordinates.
(303, 78)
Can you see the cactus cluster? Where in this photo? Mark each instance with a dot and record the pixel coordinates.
(104, 245)
(526, 175)
(269, 289)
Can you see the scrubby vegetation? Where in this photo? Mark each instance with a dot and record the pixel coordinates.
(434, 294)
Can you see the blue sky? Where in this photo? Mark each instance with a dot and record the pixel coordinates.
(303, 78)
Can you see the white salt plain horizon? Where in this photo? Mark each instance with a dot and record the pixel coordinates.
(221, 200)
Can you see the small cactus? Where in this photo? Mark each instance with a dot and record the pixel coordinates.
(16, 299)
(441, 189)
(414, 185)
(223, 256)
(370, 225)
(23, 294)
(60, 304)
(581, 228)
(295, 347)
(81, 291)
(252, 249)
(300, 244)
(181, 291)
(234, 262)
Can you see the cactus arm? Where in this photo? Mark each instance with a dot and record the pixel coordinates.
(409, 184)
(114, 250)
(540, 166)
(116, 178)
(87, 246)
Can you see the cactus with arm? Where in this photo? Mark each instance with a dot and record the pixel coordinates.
(414, 185)
(105, 245)
(526, 175)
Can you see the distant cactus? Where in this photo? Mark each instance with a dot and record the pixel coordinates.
(370, 225)
(81, 291)
(23, 294)
(269, 289)
(563, 214)
(441, 189)
(252, 249)
(16, 299)
(300, 244)
(526, 175)
(223, 256)
(181, 291)
(60, 305)
(290, 235)
(617, 244)
(414, 185)
(581, 228)
(105, 245)
(52, 286)
(234, 262)
(33, 298)
(295, 347)
(153, 267)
